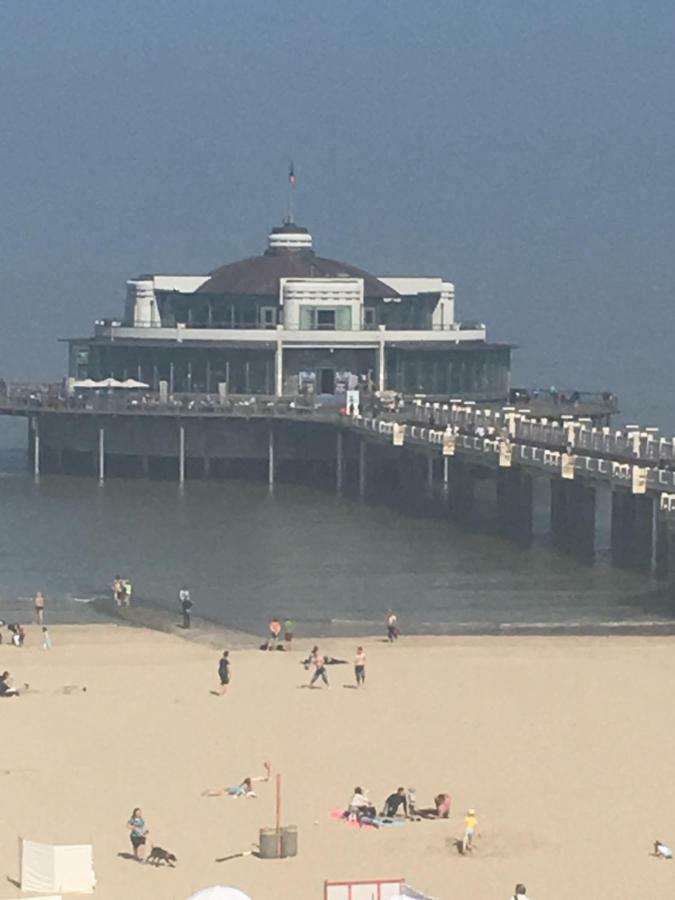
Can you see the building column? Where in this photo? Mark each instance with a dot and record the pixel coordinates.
(181, 454)
(171, 377)
(339, 462)
(279, 366)
(381, 368)
(101, 454)
(270, 457)
(36, 446)
(362, 468)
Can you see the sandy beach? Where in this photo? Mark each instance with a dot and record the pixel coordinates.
(562, 745)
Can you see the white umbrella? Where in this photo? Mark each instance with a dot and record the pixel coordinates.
(218, 892)
(132, 383)
(87, 383)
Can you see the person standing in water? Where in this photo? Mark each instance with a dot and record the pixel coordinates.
(185, 606)
(40, 608)
(392, 626)
(360, 667)
(128, 590)
(118, 590)
(224, 671)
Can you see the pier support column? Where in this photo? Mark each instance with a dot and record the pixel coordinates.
(663, 558)
(446, 475)
(270, 458)
(515, 505)
(633, 530)
(181, 454)
(207, 466)
(362, 468)
(430, 475)
(145, 464)
(36, 447)
(462, 492)
(339, 462)
(101, 454)
(573, 518)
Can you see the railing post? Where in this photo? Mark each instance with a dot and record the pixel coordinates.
(279, 365)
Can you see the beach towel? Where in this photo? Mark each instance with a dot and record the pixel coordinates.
(366, 821)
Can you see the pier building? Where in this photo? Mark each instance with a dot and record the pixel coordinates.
(291, 323)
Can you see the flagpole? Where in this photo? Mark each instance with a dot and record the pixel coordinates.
(291, 189)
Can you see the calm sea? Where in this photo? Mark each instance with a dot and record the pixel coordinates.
(331, 564)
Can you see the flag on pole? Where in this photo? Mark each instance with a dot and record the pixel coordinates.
(291, 175)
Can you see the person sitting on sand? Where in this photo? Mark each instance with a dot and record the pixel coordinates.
(360, 806)
(18, 634)
(7, 689)
(275, 631)
(243, 789)
(520, 893)
(394, 802)
(662, 851)
(470, 825)
(139, 832)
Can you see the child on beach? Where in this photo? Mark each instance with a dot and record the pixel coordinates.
(46, 640)
(7, 689)
(470, 825)
(224, 671)
(662, 851)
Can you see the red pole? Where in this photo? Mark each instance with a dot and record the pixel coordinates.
(278, 785)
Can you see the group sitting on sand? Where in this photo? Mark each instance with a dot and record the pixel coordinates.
(363, 811)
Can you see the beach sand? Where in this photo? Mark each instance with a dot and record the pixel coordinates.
(563, 746)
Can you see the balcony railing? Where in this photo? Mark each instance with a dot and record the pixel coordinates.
(106, 326)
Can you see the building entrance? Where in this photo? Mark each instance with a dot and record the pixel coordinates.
(326, 381)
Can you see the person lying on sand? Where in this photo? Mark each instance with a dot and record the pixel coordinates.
(441, 809)
(662, 851)
(243, 789)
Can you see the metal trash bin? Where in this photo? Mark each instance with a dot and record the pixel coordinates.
(289, 840)
(269, 843)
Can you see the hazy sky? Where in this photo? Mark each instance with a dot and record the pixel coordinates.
(524, 150)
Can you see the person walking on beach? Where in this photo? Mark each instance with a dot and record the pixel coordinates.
(319, 663)
(40, 608)
(289, 628)
(128, 590)
(139, 833)
(360, 667)
(185, 606)
(392, 626)
(470, 825)
(224, 671)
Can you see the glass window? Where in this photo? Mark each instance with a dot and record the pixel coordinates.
(325, 319)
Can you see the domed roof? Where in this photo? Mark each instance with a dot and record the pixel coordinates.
(289, 255)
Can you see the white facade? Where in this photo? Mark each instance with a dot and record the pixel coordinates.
(411, 286)
(322, 303)
(141, 305)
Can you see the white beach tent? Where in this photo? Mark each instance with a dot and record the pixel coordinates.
(218, 892)
(64, 868)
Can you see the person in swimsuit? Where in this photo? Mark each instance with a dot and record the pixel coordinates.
(319, 664)
(360, 667)
(118, 590)
(243, 789)
(139, 832)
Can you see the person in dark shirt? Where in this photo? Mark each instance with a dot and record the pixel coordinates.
(393, 802)
(224, 671)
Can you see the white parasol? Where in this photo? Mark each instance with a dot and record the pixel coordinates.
(218, 892)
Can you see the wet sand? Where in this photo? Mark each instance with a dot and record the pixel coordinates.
(561, 744)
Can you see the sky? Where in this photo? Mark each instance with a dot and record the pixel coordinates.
(523, 150)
